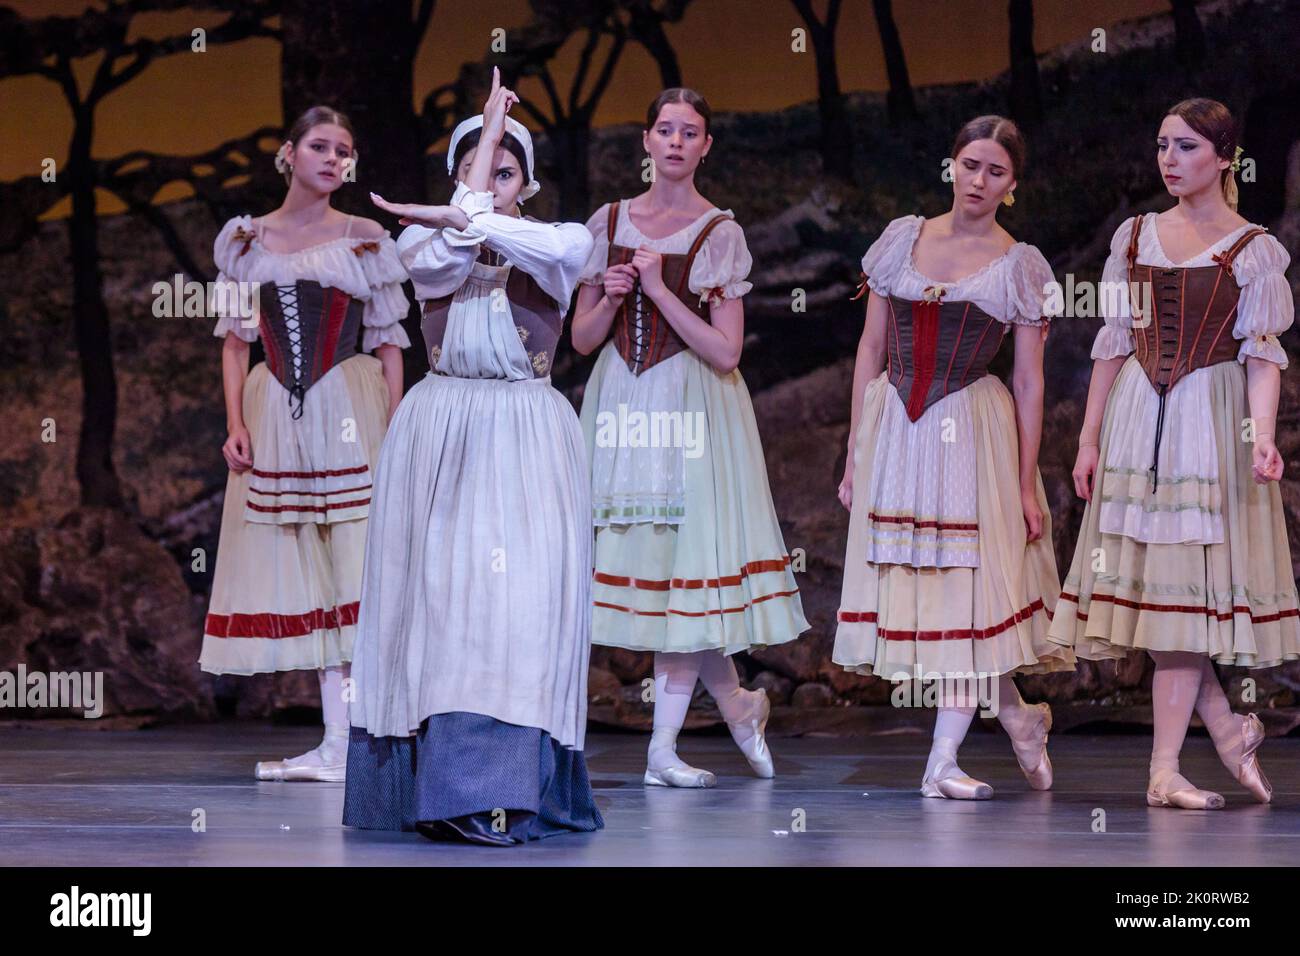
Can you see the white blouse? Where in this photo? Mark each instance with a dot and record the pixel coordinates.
(1266, 307)
(366, 269)
(722, 263)
(439, 260)
(1013, 288)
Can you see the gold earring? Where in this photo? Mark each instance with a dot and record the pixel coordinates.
(1009, 199)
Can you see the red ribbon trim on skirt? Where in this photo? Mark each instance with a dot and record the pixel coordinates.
(276, 509)
(906, 519)
(311, 474)
(1184, 609)
(955, 634)
(729, 581)
(721, 610)
(281, 625)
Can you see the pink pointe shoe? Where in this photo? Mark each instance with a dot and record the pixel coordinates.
(1248, 772)
(1031, 754)
(949, 781)
(1168, 788)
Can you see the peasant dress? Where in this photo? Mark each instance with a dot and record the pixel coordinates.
(474, 636)
(287, 581)
(689, 554)
(1201, 563)
(939, 577)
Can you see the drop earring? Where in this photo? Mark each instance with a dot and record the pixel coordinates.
(1009, 199)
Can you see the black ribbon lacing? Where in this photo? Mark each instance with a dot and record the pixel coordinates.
(297, 391)
(1160, 427)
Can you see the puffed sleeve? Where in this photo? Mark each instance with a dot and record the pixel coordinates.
(230, 300)
(1115, 337)
(722, 264)
(552, 253)
(387, 304)
(437, 260)
(1032, 295)
(1266, 307)
(593, 271)
(888, 253)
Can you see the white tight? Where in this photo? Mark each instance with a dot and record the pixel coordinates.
(675, 677)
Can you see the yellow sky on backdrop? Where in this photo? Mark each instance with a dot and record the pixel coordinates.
(736, 52)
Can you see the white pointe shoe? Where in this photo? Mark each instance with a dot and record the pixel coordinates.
(754, 745)
(684, 776)
(949, 781)
(319, 765)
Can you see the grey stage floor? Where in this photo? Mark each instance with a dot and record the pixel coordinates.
(114, 798)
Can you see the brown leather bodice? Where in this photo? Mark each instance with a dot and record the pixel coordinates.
(651, 341)
(306, 331)
(935, 348)
(537, 317)
(1193, 311)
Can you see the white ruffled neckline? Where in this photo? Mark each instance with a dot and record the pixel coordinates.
(1208, 253)
(261, 246)
(910, 260)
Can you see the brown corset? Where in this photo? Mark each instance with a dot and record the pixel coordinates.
(936, 348)
(1193, 308)
(655, 340)
(1191, 325)
(322, 335)
(537, 317)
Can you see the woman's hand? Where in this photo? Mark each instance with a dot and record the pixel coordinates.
(846, 483)
(497, 105)
(435, 217)
(649, 269)
(1085, 469)
(238, 450)
(1267, 461)
(619, 281)
(1033, 514)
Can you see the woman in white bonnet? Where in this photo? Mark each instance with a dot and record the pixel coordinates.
(473, 640)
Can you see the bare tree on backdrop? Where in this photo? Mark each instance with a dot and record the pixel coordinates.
(900, 102)
(836, 137)
(1025, 98)
(48, 47)
(1189, 35)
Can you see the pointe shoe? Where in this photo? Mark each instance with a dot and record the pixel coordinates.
(957, 788)
(323, 764)
(754, 746)
(684, 776)
(1039, 775)
(287, 770)
(947, 779)
(1248, 772)
(1168, 788)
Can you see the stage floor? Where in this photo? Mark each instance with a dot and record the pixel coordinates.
(123, 798)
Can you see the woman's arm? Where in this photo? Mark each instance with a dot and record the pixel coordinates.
(238, 448)
(596, 308)
(869, 363)
(390, 356)
(1104, 372)
(1263, 386)
(1027, 387)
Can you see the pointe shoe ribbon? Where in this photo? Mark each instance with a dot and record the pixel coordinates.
(1168, 788)
(1039, 774)
(684, 776)
(754, 743)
